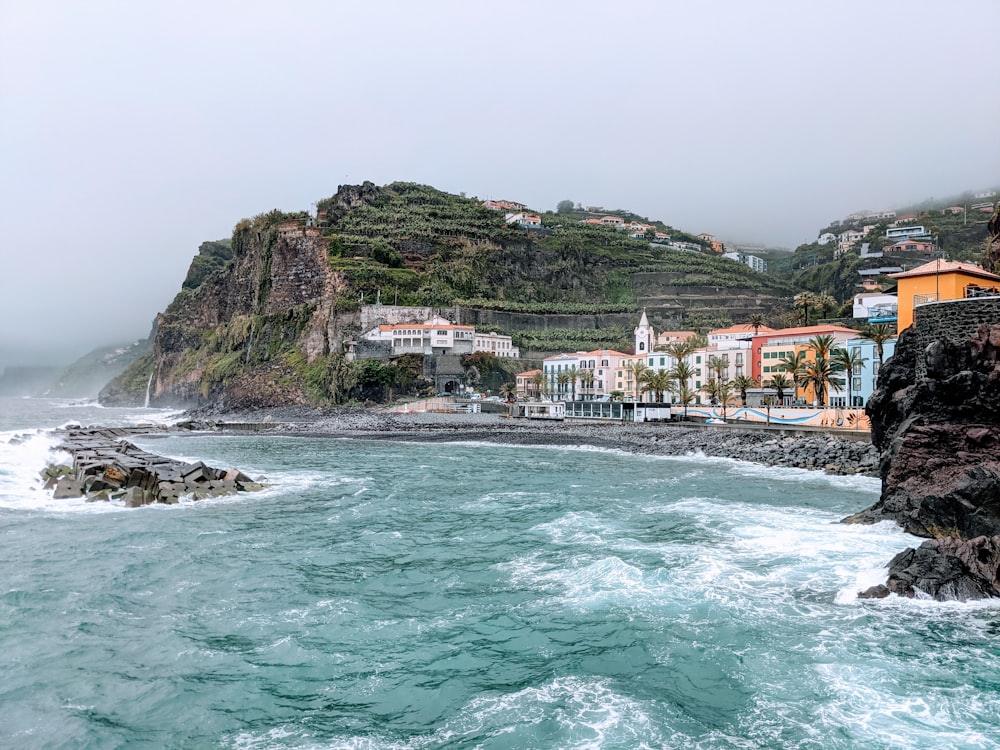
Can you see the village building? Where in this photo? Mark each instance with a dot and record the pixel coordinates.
(938, 281)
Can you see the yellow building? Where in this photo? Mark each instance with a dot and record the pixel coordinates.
(940, 280)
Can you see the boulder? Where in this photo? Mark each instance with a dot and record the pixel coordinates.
(944, 569)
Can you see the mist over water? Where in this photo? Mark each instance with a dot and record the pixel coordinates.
(395, 595)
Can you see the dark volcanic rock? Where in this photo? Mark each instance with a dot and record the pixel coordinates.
(944, 569)
(936, 423)
(939, 437)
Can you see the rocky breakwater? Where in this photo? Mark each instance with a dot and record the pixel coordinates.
(107, 467)
(936, 422)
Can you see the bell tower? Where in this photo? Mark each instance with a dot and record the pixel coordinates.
(644, 335)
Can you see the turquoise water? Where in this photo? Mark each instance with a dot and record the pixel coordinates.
(395, 595)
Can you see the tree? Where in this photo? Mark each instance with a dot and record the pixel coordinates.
(724, 394)
(538, 380)
(779, 382)
(879, 333)
(850, 361)
(742, 383)
(680, 375)
(821, 374)
(563, 380)
(564, 207)
(824, 303)
(574, 374)
(794, 365)
(718, 366)
(756, 321)
(805, 301)
(587, 380)
(637, 369)
(659, 381)
(508, 391)
(711, 389)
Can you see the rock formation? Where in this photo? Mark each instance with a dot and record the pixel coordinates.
(936, 422)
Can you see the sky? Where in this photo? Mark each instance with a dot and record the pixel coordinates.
(130, 132)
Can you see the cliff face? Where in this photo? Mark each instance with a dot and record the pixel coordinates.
(936, 422)
(242, 336)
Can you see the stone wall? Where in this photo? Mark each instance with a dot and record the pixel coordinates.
(953, 321)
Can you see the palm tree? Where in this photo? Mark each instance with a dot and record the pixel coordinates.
(680, 376)
(725, 393)
(805, 300)
(879, 333)
(851, 361)
(562, 379)
(538, 380)
(824, 302)
(587, 380)
(508, 391)
(711, 389)
(821, 374)
(756, 321)
(718, 366)
(794, 365)
(681, 350)
(779, 382)
(659, 382)
(574, 374)
(741, 383)
(822, 345)
(637, 369)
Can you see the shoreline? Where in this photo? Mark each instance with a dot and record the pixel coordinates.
(769, 447)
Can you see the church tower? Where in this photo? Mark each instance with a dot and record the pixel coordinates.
(644, 335)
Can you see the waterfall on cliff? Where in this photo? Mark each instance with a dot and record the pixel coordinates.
(149, 384)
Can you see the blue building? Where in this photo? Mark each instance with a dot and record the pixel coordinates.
(863, 379)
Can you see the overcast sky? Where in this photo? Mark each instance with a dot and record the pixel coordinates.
(133, 131)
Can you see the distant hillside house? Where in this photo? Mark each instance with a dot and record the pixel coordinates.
(717, 246)
(613, 221)
(910, 246)
(593, 220)
(907, 232)
(875, 307)
(504, 205)
(757, 264)
(954, 210)
(524, 219)
(826, 238)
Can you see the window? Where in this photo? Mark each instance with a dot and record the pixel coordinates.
(663, 361)
(857, 384)
(697, 360)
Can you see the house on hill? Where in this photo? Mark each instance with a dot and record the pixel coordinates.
(938, 281)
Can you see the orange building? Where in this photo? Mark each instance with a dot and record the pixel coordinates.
(940, 280)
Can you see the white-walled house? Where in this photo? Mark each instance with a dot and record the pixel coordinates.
(875, 307)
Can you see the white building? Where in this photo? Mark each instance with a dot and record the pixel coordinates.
(495, 343)
(440, 336)
(757, 264)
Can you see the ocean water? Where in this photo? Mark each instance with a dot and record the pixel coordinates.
(407, 595)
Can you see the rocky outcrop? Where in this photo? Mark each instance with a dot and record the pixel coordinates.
(106, 467)
(936, 422)
(944, 569)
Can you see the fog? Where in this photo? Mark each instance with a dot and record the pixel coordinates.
(132, 132)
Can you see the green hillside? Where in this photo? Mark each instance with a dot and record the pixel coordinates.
(411, 244)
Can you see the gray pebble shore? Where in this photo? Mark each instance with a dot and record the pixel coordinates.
(769, 446)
